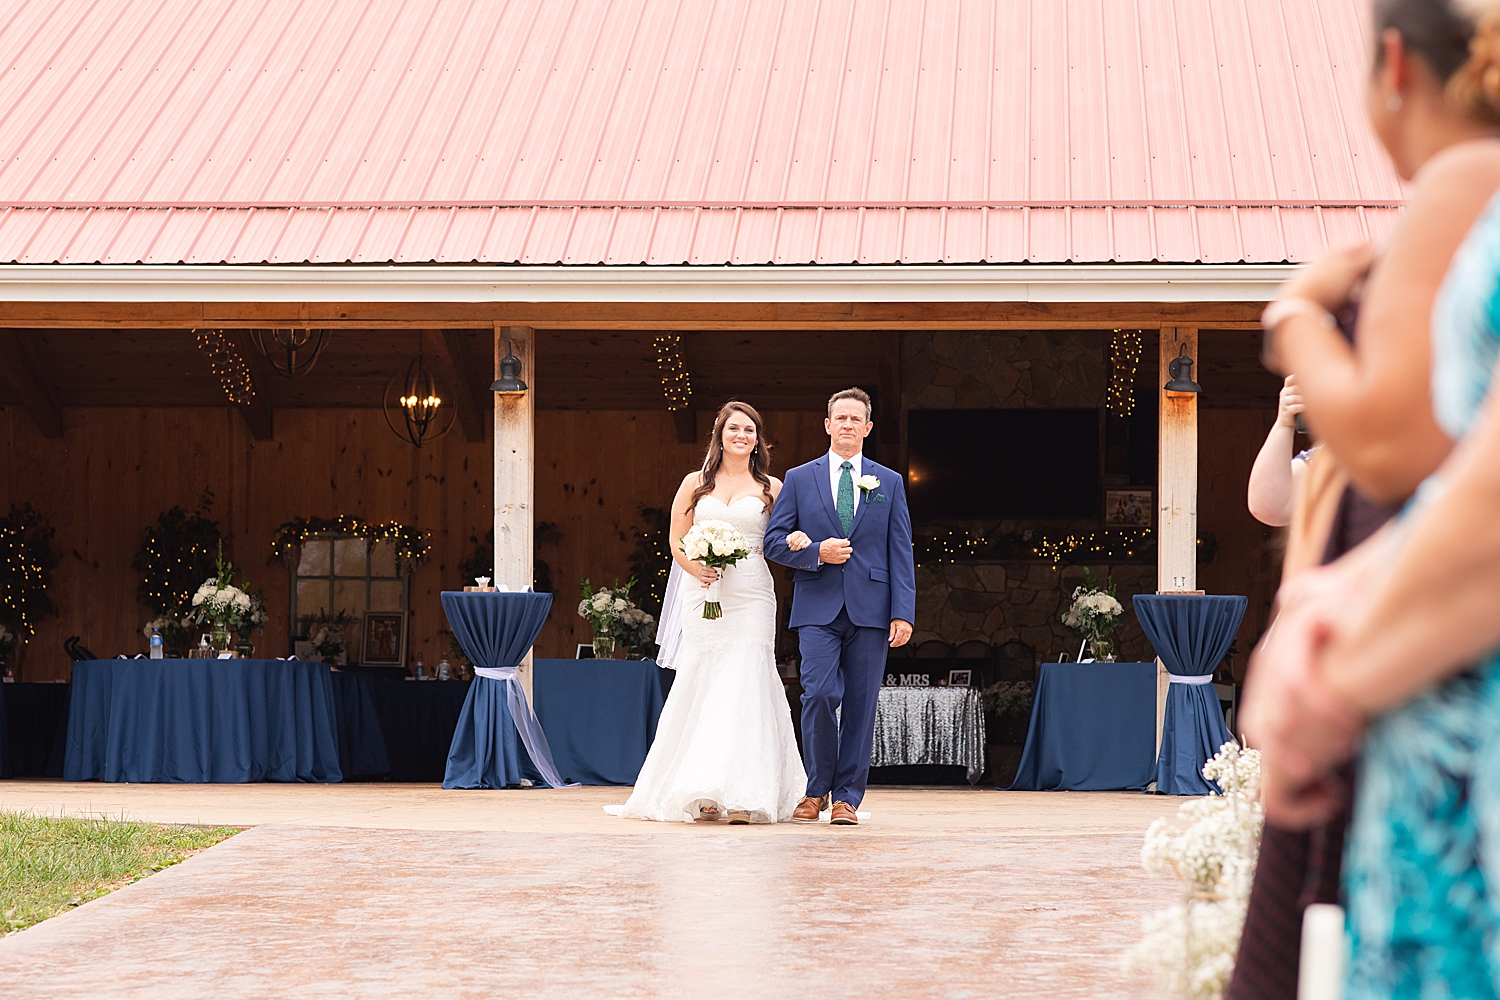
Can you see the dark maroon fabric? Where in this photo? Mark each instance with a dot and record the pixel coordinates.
(1298, 868)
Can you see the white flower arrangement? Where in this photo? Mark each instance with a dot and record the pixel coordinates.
(604, 607)
(1191, 947)
(719, 545)
(1095, 612)
(220, 603)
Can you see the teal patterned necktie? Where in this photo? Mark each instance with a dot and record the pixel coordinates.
(845, 505)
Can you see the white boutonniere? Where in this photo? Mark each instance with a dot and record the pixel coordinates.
(868, 484)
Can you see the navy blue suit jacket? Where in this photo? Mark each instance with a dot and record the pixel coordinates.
(879, 582)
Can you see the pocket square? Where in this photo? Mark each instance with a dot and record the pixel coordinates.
(879, 497)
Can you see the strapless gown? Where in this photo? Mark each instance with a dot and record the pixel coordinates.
(725, 737)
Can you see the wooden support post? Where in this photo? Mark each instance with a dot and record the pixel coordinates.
(448, 355)
(18, 366)
(515, 473)
(1177, 489)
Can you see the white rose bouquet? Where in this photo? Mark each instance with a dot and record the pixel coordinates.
(1094, 614)
(603, 609)
(218, 602)
(717, 544)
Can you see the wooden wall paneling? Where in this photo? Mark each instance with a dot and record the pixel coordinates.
(18, 366)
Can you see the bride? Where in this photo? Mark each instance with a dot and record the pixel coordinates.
(724, 745)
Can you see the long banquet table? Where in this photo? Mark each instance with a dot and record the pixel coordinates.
(1093, 728)
(251, 720)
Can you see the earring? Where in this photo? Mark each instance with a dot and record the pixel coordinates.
(1394, 103)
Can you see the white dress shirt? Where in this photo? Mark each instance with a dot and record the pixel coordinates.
(836, 472)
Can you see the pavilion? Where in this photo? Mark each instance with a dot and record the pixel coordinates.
(954, 205)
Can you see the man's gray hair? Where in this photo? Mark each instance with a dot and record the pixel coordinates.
(853, 393)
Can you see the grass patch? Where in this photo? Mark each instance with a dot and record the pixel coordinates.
(48, 865)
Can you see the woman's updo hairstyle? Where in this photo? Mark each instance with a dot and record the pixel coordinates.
(1474, 87)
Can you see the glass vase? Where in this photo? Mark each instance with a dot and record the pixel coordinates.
(220, 639)
(245, 649)
(1103, 650)
(604, 647)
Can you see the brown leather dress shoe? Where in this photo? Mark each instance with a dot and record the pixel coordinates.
(844, 815)
(808, 809)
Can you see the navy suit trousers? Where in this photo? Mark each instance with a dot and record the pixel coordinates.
(842, 667)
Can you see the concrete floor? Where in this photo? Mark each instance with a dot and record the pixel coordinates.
(385, 891)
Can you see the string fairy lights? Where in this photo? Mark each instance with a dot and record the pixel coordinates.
(229, 368)
(676, 384)
(411, 543)
(26, 564)
(964, 546)
(1124, 359)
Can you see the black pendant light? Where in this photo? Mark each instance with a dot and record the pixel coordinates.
(291, 352)
(414, 406)
(1181, 370)
(509, 383)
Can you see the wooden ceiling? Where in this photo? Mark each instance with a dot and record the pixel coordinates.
(575, 369)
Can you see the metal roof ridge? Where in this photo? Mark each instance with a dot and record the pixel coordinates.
(582, 203)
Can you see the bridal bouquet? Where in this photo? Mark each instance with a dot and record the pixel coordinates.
(1192, 946)
(717, 544)
(1094, 614)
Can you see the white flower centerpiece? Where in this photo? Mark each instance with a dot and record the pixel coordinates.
(719, 545)
(603, 609)
(1191, 947)
(1093, 615)
(635, 631)
(223, 606)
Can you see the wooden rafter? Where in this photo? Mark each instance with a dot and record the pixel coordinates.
(18, 365)
(450, 356)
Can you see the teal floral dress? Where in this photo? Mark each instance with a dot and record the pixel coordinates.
(1422, 862)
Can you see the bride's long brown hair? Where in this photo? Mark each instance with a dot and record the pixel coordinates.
(760, 455)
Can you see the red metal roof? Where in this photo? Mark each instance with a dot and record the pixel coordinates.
(685, 131)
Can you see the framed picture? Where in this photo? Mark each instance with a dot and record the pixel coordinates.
(585, 651)
(959, 678)
(383, 639)
(1128, 508)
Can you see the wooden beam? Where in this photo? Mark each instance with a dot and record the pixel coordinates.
(18, 363)
(258, 414)
(449, 355)
(515, 473)
(646, 316)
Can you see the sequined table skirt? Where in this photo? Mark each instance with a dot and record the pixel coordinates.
(941, 725)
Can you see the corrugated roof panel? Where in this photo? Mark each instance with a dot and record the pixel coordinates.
(1090, 235)
(838, 236)
(880, 231)
(1176, 234)
(547, 241)
(1260, 236)
(262, 230)
(340, 237)
(797, 241)
(1218, 235)
(221, 230)
(180, 229)
(588, 241)
(464, 239)
(18, 229)
(505, 239)
(1131, 230)
(301, 240)
(963, 232)
(93, 237)
(921, 236)
(929, 139)
(1088, 116)
(754, 241)
(1381, 222)
(1008, 236)
(424, 234)
(1304, 234)
(713, 237)
(386, 230)
(891, 149)
(631, 240)
(1343, 226)
(1047, 235)
(136, 236)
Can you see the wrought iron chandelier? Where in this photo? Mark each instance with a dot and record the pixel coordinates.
(414, 407)
(291, 352)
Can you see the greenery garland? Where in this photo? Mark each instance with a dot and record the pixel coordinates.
(26, 564)
(411, 543)
(176, 557)
(651, 560)
(481, 561)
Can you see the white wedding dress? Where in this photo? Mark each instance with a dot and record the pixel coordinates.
(725, 737)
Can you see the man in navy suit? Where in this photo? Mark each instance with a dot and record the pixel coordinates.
(854, 597)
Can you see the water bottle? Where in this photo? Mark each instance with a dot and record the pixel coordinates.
(156, 644)
(444, 671)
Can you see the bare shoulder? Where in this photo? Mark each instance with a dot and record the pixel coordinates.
(1462, 177)
(775, 487)
(692, 480)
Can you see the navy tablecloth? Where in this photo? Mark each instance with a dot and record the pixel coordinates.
(599, 716)
(202, 721)
(1093, 728)
(1191, 633)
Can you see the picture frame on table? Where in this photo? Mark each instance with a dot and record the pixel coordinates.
(960, 678)
(1128, 508)
(383, 639)
(585, 651)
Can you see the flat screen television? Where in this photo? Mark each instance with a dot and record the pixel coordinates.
(1003, 463)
